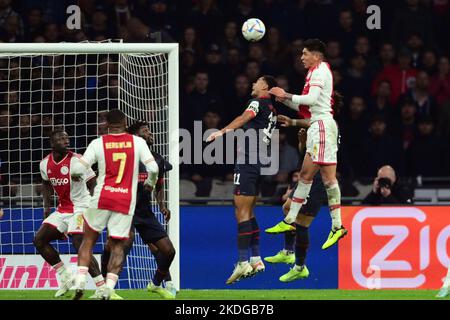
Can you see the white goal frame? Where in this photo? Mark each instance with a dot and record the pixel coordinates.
(117, 48)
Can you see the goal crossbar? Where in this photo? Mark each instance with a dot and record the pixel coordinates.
(67, 48)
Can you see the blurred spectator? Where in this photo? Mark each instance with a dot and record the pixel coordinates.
(426, 144)
(346, 33)
(157, 15)
(406, 127)
(6, 11)
(51, 32)
(275, 49)
(381, 148)
(412, 19)
(426, 104)
(199, 101)
(244, 10)
(362, 47)
(380, 104)
(191, 42)
(234, 61)
(231, 36)
(401, 76)
(415, 45)
(100, 25)
(354, 130)
(386, 56)
(428, 63)
(253, 70)
(238, 98)
(206, 18)
(122, 13)
(34, 24)
(219, 78)
(334, 57)
(293, 178)
(12, 28)
(188, 64)
(256, 52)
(385, 190)
(357, 79)
(440, 82)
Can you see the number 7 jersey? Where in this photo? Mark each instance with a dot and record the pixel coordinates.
(118, 157)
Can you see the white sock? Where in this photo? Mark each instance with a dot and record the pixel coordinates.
(300, 194)
(334, 203)
(255, 259)
(80, 280)
(111, 280)
(99, 281)
(447, 279)
(298, 268)
(60, 268)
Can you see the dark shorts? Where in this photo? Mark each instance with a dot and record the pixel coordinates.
(316, 199)
(247, 179)
(149, 228)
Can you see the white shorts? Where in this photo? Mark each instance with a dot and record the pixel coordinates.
(67, 223)
(322, 142)
(118, 224)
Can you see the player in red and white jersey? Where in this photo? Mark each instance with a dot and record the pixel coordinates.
(322, 138)
(118, 155)
(73, 199)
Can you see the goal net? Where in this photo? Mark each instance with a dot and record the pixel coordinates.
(72, 86)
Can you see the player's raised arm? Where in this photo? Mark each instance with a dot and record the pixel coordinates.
(307, 99)
(238, 122)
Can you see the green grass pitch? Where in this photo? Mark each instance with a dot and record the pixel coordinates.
(242, 295)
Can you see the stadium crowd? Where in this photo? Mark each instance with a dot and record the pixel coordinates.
(395, 81)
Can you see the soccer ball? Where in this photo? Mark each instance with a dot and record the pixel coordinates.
(253, 29)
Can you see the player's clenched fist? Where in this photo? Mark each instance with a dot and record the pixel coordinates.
(279, 93)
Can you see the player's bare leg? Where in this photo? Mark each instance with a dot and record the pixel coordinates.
(334, 203)
(114, 265)
(94, 269)
(309, 170)
(159, 256)
(166, 253)
(84, 260)
(42, 239)
(244, 211)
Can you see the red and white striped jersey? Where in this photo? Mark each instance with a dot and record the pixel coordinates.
(118, 157)
(71, 194)
(322, 77)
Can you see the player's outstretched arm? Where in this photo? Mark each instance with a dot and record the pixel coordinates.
(306, 99)
(237, 123)
(285, 121)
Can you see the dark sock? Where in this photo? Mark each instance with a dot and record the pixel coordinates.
(255, 238)
(163, 264)
(104, 262)
(245, 233)
(159, 277)
(289, 240)
(301, 244)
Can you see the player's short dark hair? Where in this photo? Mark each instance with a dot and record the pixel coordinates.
(271, 81)
(55, 132)
(315, 45)
(115, 117)
(134, 128)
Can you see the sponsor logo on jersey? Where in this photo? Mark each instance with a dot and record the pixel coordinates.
(59, 181)
(64, 170)
(119, 189)
(119, 145)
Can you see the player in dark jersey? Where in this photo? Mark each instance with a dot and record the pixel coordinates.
(300, 236)
(259, 116)
(145, 222)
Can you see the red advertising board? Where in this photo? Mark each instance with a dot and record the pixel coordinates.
(394, 247)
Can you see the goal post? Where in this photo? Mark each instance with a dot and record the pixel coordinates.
(140, 79)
